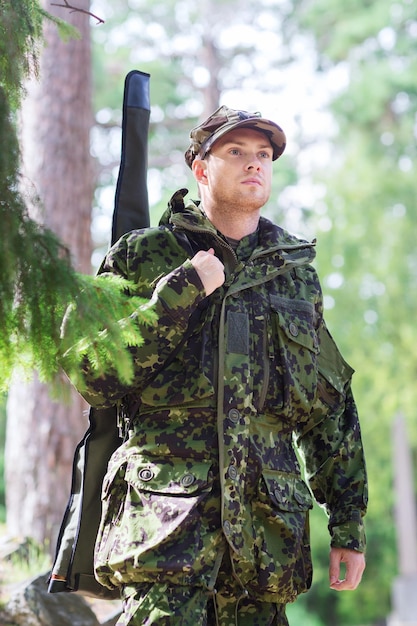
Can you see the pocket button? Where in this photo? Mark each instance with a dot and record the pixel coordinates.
(277, 495)
(234, 416)
(299, 498)
(146, 474)
(187, 480)
(293, 328)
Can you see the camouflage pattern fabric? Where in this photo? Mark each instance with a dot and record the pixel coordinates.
(209, 464)
(164, 605)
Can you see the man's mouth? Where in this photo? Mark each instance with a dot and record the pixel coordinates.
(252, 181)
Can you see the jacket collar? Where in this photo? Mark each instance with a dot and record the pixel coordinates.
(270, 238)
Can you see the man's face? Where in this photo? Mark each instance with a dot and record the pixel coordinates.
(237, 172)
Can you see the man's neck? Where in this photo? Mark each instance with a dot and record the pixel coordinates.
(232, 227)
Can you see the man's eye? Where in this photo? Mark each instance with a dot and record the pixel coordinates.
(234, 151)
(264, 155)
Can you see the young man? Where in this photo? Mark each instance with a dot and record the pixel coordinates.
(205, 513)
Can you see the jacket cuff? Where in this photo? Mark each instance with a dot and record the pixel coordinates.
(350, 535)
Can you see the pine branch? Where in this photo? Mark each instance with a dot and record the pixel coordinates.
(73, 9)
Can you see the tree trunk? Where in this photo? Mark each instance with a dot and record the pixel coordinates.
(56, 121)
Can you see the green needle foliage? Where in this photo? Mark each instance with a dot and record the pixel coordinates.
(112, 318)
(37, 281)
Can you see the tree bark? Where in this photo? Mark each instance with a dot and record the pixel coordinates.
(56, 121)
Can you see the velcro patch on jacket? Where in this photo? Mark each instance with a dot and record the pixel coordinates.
(238, 332)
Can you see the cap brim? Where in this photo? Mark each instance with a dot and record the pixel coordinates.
(274, 133)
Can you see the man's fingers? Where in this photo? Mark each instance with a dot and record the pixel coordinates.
(355, 565)
(334, 568)
(210, 269)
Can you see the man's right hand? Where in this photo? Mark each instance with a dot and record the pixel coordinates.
(210, 269)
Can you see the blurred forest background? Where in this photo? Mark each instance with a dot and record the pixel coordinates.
(339, 77)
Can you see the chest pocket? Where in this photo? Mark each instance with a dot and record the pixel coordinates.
(297, 347)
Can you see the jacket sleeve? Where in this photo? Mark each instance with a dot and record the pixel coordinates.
(331, 443)
(174, 295)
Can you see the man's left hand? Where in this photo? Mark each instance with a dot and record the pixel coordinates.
(355, 565)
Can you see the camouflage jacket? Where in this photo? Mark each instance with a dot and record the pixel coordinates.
(227, 384)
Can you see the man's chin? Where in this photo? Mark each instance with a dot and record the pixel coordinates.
(256, 196)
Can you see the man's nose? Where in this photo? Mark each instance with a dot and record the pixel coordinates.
(254, 163)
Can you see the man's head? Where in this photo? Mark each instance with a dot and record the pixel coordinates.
(234, 180)
(222, 121)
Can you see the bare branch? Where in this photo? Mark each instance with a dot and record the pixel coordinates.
(72, 9)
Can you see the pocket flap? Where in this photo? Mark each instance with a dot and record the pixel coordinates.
(296, 320)
(169, 477)
(288, 491)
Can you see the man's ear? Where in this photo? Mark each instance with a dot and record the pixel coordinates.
(199, 167)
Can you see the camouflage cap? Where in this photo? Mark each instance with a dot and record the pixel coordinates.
(222, 121)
